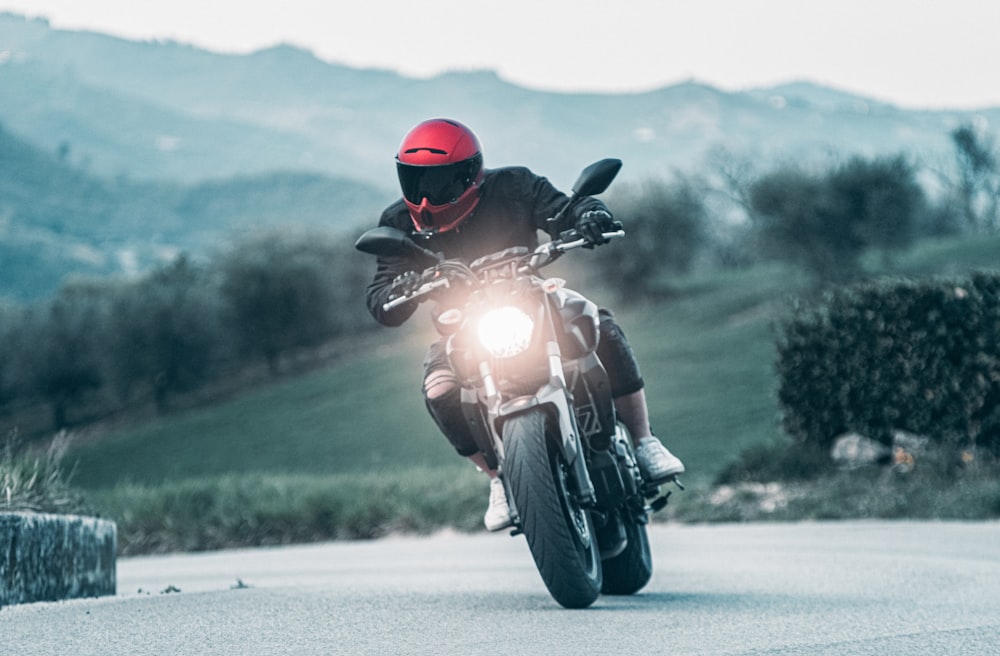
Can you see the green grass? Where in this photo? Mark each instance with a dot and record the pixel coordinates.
(256, 510)
(932, 489)
(365, 414)
(707, 359)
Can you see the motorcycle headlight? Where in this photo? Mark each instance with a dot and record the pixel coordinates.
(505, 332)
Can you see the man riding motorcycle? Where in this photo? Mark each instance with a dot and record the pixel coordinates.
(454, 206)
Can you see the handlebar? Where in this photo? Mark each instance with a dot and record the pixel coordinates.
(552, 250)
(564, 246)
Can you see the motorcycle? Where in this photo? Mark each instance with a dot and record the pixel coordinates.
(539, 405)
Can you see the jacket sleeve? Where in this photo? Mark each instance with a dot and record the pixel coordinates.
(379, 291)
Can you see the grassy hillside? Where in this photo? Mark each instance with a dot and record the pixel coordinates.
(706, 356)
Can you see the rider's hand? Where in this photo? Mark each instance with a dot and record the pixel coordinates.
(592, 225)
(405, 284)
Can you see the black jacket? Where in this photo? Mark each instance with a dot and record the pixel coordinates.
(514, 204)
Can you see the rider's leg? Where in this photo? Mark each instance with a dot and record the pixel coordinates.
(656, 462)
(444, 402)
(442, 393)
(634, 413)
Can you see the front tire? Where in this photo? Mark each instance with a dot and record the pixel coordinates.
(560, 533)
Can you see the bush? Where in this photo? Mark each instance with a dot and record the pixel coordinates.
(775, 461)
(895, 355)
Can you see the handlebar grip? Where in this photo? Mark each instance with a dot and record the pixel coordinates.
(423, 290)
(396, 302)
(577, 243)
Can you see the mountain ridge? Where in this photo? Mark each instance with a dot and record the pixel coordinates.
(57, 220)
(282, 107)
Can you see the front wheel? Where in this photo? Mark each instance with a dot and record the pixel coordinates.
(559, 531)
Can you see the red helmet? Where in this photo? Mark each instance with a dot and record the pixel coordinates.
(440, 167)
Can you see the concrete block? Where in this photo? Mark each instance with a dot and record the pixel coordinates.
(55, 557)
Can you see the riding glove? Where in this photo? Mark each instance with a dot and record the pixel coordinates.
(405, 284)
(592, 225)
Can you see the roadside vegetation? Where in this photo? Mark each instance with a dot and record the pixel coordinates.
(37, 482)
(251, 402)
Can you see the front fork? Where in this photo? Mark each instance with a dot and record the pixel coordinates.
(555, 397)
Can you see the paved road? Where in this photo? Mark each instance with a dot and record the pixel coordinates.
(810, 588)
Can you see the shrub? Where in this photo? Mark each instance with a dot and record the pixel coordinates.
(883, 356)
(775, 461)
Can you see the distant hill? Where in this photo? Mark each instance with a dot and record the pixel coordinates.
(56, 220)
(118, 154)
(154, 110)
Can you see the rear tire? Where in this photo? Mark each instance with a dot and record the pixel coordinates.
(630, 570)
(559, 532)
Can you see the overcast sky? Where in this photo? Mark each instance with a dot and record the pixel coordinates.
(913, 53)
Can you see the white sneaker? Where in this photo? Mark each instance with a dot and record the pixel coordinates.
(656, 463)
(498, 514)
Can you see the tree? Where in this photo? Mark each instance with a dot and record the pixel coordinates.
(59, 349)
(166, 333)
(823, 222)
(799, 221)
(884, 199)
(281, 291)
(11, 329)
(978, 184)
(730, 177)
(665, 224)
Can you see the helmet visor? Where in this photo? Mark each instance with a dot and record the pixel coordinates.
(440, 185)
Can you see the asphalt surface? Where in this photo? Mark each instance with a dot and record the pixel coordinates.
(807, 588)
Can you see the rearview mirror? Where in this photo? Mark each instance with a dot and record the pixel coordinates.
(597, 177)
(391, 242)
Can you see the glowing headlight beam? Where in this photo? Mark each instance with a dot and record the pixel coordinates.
(505, 331)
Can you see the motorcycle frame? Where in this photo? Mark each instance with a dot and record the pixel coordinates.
(487, 406)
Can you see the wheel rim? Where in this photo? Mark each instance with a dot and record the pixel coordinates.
(578, 518)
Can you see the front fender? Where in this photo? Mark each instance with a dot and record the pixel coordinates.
(554, 400)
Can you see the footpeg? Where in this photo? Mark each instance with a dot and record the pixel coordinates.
(660, 503)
